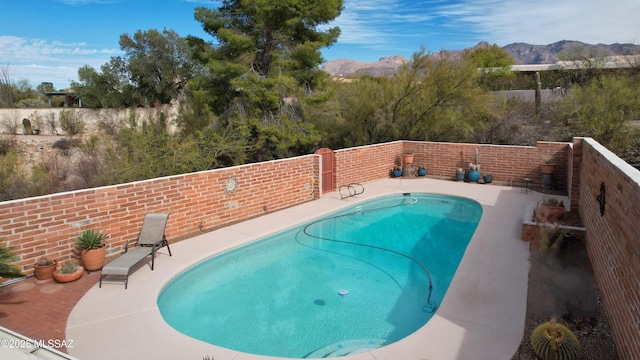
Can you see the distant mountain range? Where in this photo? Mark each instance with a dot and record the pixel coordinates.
(524, 54)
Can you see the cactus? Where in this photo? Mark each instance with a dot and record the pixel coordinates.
(44, 261)
(553, 341)
(69, 267)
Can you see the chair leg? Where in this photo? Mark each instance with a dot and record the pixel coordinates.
(168, 248)
(100, 284)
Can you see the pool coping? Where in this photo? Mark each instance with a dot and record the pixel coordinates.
(482, 314)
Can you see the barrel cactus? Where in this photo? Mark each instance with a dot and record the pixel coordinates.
(554, 341)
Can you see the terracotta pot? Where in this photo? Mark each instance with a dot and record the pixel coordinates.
(64, 278)
(45, 272)
(93, 259)
(549, 214)
(407, 158)
(547, 168)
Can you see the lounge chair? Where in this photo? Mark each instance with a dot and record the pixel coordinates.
(150, 239)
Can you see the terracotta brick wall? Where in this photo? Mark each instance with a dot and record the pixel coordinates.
(613, 239)
(509, 164)
(48, 225)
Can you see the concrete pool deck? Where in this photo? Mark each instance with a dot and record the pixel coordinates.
(481, 317)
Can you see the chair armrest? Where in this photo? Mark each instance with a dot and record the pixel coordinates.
(126, 245)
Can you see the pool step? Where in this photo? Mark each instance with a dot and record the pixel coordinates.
(347, 347)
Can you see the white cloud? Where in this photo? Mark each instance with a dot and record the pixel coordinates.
(17, 50)
(38, 60)
(548, 21)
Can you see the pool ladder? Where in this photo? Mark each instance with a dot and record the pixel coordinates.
(350, 190)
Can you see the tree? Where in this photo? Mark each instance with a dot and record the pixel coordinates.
(264, 69)
(109, 88)
(581, 65)
(426, 99)
(604, 109)
(495, 63)
(155, 68)
(159, 64)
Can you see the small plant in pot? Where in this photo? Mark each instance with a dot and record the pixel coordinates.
(422, 171)
(69, 271)
(44, 268)
(397, 172)
(550, 211)
(488, 178)
(474, 172)
(407, 157)
(459, 174)
(548, 165)
(92, 248)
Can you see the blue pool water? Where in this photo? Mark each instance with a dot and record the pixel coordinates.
(359, 279)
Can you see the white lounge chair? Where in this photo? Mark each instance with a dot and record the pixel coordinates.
(150, 239)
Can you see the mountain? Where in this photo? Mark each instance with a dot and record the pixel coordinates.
(523, 54)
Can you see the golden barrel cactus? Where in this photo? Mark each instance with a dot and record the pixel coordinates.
(554, 341)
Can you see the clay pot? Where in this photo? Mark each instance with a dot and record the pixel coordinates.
(407, 158)
(549, 214)
(547, 168)
(93, 259)
(45, 272)
(65, 278)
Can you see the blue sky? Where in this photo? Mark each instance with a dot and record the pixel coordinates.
(48, 40)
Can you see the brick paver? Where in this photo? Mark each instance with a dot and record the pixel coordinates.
(39, 309)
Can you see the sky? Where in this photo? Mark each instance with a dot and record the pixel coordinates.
(48, 40)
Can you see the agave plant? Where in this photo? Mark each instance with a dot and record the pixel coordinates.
(90, 239)
(7, 268)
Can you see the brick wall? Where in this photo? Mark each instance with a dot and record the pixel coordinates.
(48, 225)
(509, 164)
(613, 239)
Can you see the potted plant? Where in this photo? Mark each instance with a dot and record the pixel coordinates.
(550, 210)
(548, 165)
(69, 271)
(397, 172)
(90, 243)
(407, 157)
(44, 268)
(422, 171)
(474, 172)
(488, 178)
(459, 174)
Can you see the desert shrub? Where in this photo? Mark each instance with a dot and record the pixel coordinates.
(11, 122)
(50, 118)
(31, 103)
(7, 143)
(64, 145)
(14, 182)
(108, 123)
(71, 122)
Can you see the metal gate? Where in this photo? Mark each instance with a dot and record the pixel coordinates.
(326, 160)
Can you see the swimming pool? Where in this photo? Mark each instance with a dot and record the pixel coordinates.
(348, 282)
